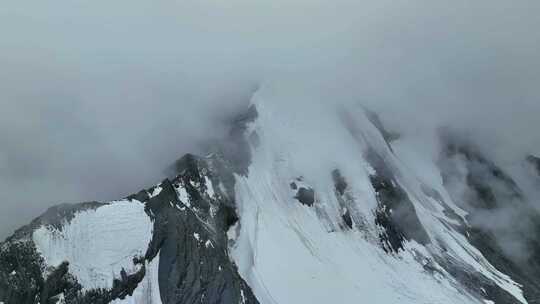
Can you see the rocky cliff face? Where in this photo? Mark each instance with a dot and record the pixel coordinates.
(290, 210)
(181, 257)
(166, 244)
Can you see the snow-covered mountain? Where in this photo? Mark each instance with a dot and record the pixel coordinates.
(297, 206)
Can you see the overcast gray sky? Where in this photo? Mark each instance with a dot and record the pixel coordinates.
(97, 97)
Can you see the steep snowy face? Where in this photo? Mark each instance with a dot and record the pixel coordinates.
(84, 253)
(98, 243)
(332, 211)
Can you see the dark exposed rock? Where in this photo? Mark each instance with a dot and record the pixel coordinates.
(21, 281)
(141, 196)
(188, 165)
(347, 219)
(339, 182)
(395, 213)
(192, 243)
(56, 283)
(351, 216)
(126, 284)
(393, 237)
(475, 283)
(525, 274)
(306, 196)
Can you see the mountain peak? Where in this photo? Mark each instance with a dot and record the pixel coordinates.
(288, 210)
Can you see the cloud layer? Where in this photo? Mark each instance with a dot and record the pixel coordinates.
(96, 98)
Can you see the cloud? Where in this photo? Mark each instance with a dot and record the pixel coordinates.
(97, 97)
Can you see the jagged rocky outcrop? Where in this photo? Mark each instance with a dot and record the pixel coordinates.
(190, 215)
(395, 214)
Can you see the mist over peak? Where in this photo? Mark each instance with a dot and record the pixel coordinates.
(97, 98)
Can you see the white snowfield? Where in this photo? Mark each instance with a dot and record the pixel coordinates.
(291, 253)
(99, 243)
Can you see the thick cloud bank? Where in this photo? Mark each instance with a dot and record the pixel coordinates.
(97, 97)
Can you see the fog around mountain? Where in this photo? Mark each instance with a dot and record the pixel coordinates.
(98, 98)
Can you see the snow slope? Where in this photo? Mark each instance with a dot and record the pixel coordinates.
(98, 243)
(292, 253)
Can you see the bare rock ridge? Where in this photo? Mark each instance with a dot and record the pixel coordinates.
(191, 214)
(188, 236)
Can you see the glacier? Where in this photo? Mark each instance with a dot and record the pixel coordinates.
(291, 253)
(97, 243)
